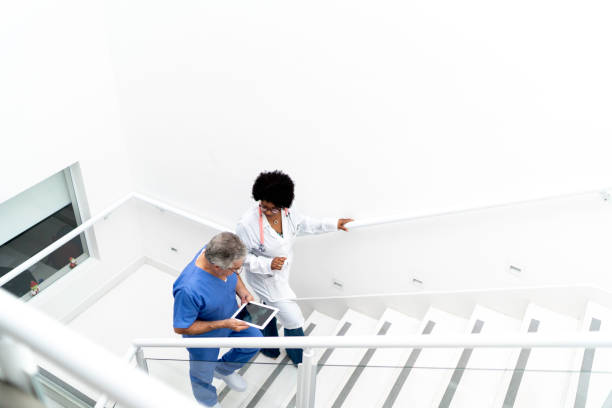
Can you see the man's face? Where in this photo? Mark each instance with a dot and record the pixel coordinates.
(235, 267)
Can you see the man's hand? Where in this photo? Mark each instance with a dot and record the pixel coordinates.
(343, 221)
(235, 325)
(245, 297)
(277, 263)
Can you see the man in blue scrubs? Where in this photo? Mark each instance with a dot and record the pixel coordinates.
(204, 301)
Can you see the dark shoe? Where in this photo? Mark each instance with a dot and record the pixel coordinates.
(270, 331)
(295, 354)
(272, 353)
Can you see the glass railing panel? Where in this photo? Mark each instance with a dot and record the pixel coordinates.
(191, 378)
(538, 377)
(58, 393)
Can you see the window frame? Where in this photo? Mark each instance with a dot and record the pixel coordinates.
(74, 182)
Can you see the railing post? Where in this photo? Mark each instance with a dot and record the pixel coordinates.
(18, 367)
(307, 380)
(129, 356)
(141, 362)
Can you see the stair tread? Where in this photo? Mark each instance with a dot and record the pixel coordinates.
(601, 369)
(484, 370)
(342, 361)
(537, 375)
(383, 367)
(284, 387)
(432, 365)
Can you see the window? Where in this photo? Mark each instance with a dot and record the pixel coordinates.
(32, 221)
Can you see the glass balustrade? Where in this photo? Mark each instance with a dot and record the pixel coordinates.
(419, 377)
(59, 394)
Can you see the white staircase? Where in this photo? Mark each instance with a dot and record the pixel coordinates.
(485, 367)
(439, 377)
(540, 377)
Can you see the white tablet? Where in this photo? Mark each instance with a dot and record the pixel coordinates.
(255, 314)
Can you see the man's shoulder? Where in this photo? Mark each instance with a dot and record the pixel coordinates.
(186, 277)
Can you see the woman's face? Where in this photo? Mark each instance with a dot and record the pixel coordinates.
(268, 208)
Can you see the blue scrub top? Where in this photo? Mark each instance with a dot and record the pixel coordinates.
(199, 295)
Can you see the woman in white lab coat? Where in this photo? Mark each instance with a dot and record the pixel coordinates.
(268, 229)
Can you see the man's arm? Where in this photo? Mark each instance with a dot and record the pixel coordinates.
(242, 292)
(186, 310)
(200, 326)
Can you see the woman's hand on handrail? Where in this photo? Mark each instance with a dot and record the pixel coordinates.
(343, 221)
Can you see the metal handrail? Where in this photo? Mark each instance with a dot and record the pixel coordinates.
(84, 359)
(211, 224)
(558, 340)
(180, 212)
(306, 381)
(57, 244)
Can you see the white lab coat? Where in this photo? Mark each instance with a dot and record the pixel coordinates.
(273, 285)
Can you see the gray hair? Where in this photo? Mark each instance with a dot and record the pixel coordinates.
(224, 249)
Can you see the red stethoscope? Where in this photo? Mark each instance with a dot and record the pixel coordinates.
(262, 248)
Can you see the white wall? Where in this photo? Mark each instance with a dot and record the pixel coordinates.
(170, 240)
(58, 106)
(379, 108)
(556, 242)
(58, 103)
(559, 242)
(373, 107)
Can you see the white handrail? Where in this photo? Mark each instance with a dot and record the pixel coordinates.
(129, 355)
(55, 245)
(589, 340)
(82, 358)
(370, 222)
(203, 221)
(185, 214)
(441, 212)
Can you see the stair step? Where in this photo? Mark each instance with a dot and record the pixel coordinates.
(478, 383)
(382, 368)
(336, 371)
(591, 386)
(260, 373)
(422, 382)
(523, 385)
(283, 388)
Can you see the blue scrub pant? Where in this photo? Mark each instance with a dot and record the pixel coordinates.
(203, 362)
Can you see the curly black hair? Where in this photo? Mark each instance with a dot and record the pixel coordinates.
(275, 187)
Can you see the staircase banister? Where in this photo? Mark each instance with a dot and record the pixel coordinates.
(360, 223)
(84, 359)
(571, 339)
(57, 244)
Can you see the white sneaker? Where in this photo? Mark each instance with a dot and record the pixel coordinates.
(233, 380)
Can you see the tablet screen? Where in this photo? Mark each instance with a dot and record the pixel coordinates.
(254, 314)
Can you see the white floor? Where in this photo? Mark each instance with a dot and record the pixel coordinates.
(126, 312)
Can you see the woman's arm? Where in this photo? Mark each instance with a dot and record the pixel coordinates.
(309, 225)
(252, 262)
